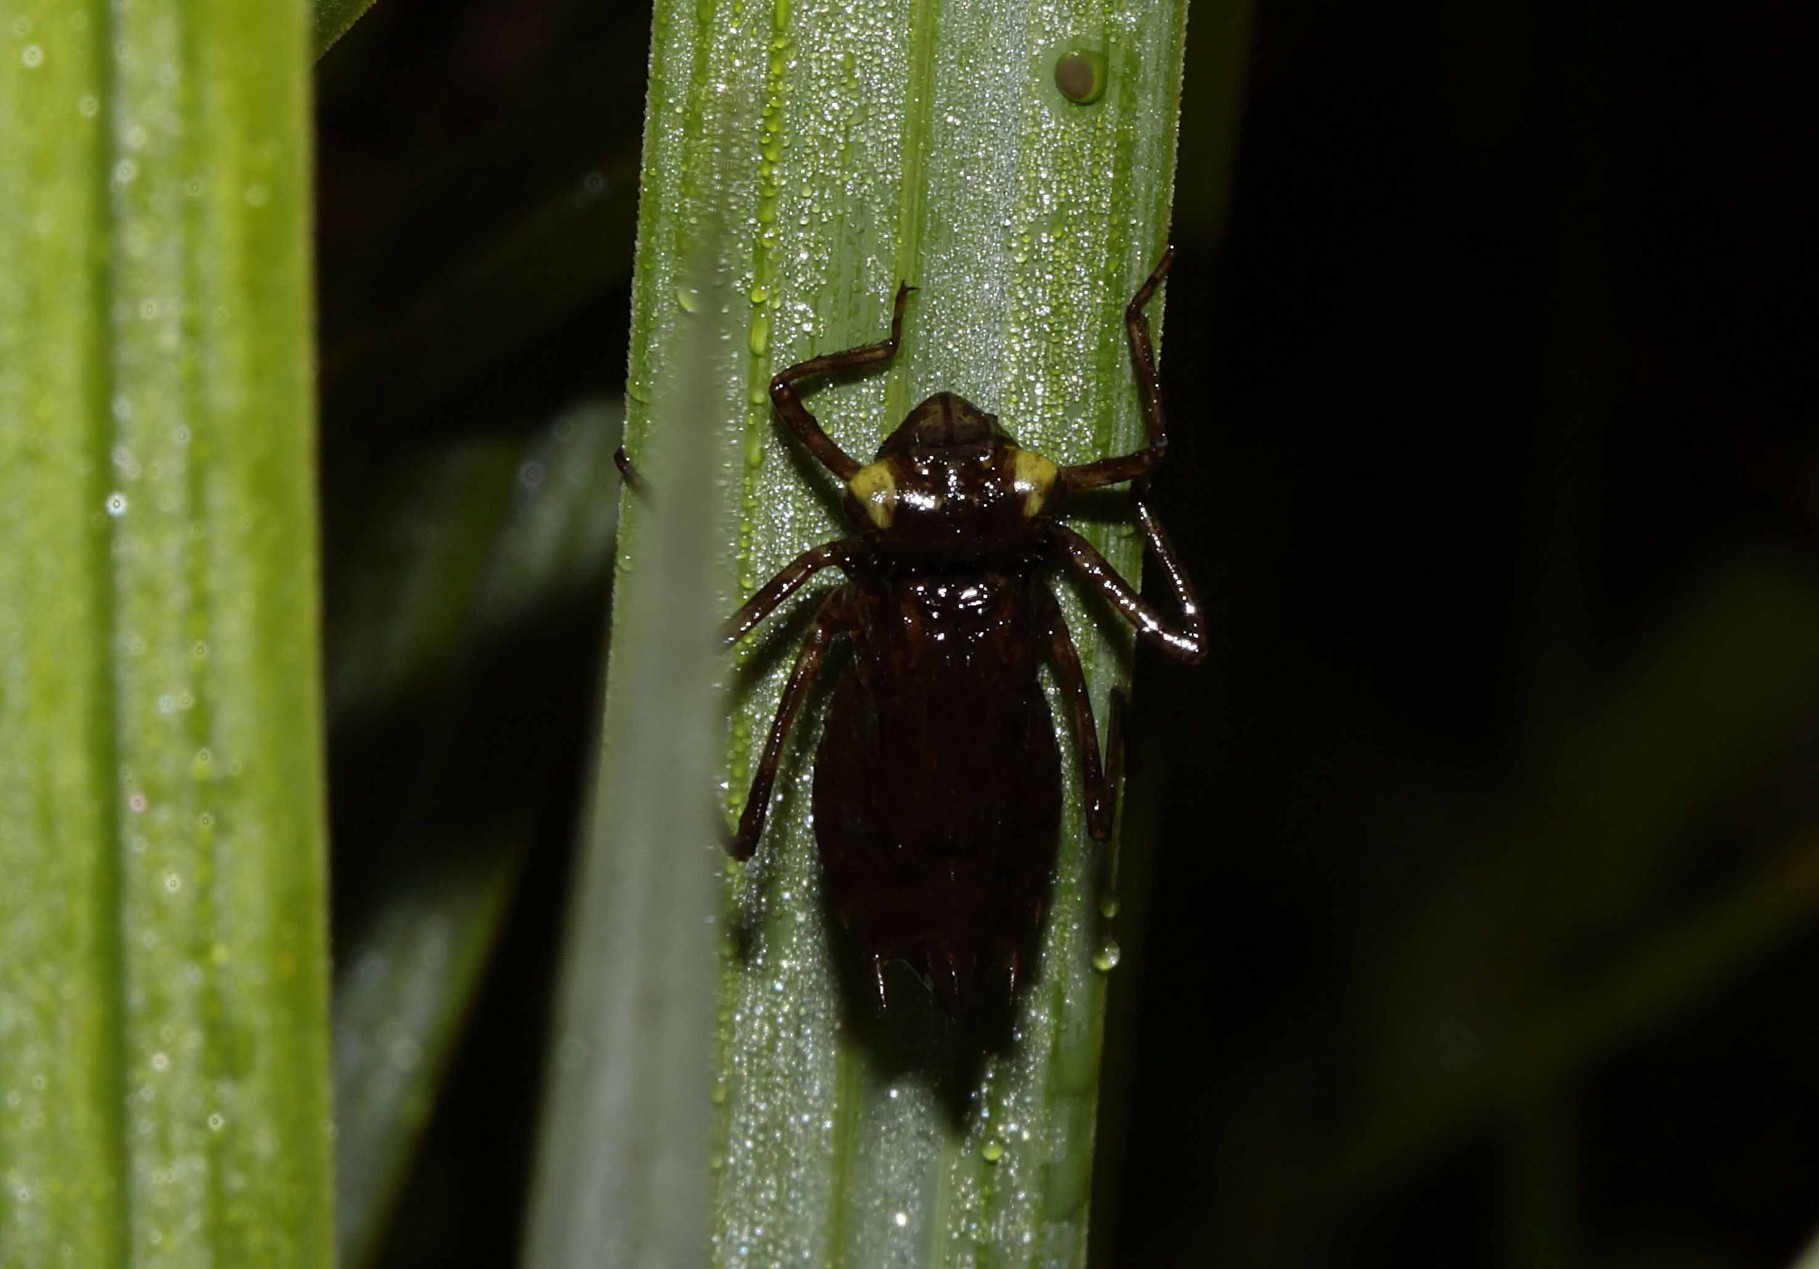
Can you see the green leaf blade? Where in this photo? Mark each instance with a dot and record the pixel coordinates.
(59, 1136)
(157, 394)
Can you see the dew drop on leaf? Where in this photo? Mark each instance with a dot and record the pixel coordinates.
(1105, 957)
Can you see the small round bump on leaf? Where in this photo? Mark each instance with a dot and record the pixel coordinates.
(1080, 75)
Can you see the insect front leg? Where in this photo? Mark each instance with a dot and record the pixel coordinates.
(1141, 465)
(787, 582)
(1143, 354)
(1185, 642)
(832, 617)
(1096, 790)
(801, 422)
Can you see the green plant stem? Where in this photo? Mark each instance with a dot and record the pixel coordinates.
(163, 1010)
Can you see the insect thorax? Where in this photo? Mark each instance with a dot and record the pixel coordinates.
(952, 485)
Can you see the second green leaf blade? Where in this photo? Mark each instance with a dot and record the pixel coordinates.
(163, 1011)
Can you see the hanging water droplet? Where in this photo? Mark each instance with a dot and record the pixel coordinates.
(1108, 906)
(1105, 958)
(992, 1150)
(689, 299)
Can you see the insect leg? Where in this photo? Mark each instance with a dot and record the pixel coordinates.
(1140, 465)
(786, 583)
(828, 622)
(627, 472)
(1096, 791)
(1114, 738)
(1186, 642)
(801, 422)
(1143, 354)
(877, 964)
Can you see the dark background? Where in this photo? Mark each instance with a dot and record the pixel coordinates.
(1480, 918)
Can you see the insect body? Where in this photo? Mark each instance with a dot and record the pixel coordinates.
(937, 790)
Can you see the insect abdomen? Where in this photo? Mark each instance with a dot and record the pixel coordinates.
(937, 788)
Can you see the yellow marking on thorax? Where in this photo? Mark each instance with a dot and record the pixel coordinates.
(1033, 477)
(876, 489)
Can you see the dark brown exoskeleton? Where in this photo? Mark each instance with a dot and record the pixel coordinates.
(937, 782)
